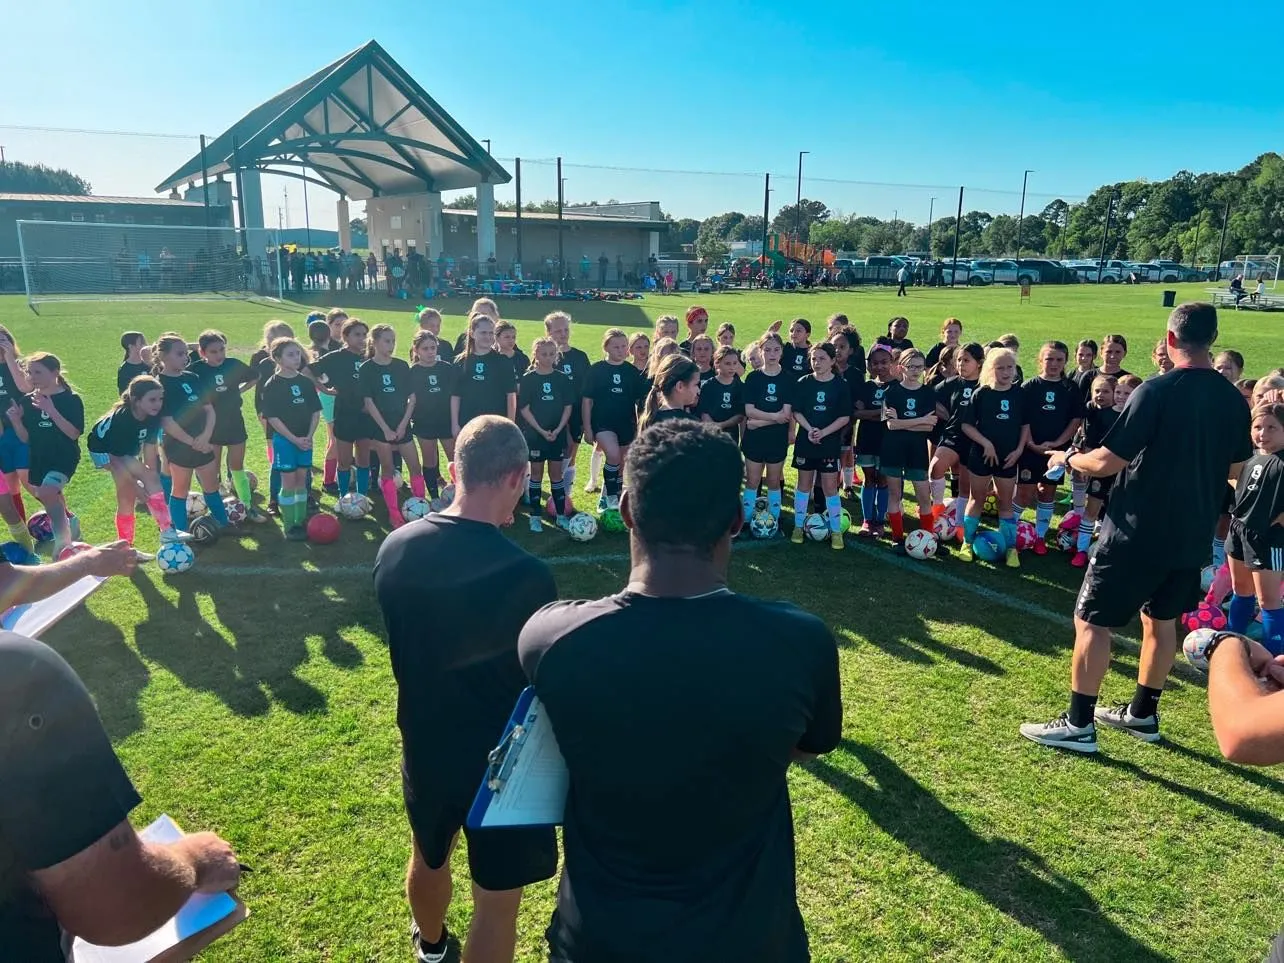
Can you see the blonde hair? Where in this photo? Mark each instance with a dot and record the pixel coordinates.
(539, 343)
(639, 336)
(1270, 382)
(992, 359)
(610, 335)
(661, 348)
(273, 330)
(485, 306)
(555, 316)
(375, 333)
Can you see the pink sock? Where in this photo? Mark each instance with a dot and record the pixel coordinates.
(417, 486)
(389, 489)
(159, 509)
(269, 451)
(125, 528)
(331, 471)
(18, 504)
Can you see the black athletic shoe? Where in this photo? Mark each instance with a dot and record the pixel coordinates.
(430, 952)
(331, 489)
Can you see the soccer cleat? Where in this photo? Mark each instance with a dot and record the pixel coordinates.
(254, 515)
(143, 556)
(898, 547)
(601, 503)
(966, 554)
(1040, 547)
(1013, 560)
(836, 541)
(274, 508)
(866, 530)
(879, 530)
(797, 536)
(612, 503)
(1080, 560)
(1059, 734)
(174, 535)
(564, 522)
(314, 505)
(296, 533)
(536, 525)
(331, 489)
(426, 952)
(1119, 717)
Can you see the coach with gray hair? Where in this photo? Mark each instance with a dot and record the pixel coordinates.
(455, 593)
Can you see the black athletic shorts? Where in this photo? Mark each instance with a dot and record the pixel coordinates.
(825, 465)
(542, 449)
(575, 427)
(229, 430)
(1119, 583)
(1100, 487)
(498, 859)
(41, 467)
(1031, 468)
(767, 445)
(185, 456)
(1255, 549)
(624, 433)
(434, 428)
(960, 444)
(977, 465)
(354, 426)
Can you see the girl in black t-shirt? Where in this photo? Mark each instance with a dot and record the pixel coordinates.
(187, 420)
(337, 372)
(1255, 544)
(319, 335)
(506, 346)
(609, 411)
(545, 398)
(702, 354)
(292, 410)
(389, 402)
(822, 408)
(952, 398)
(846, 344)
(722, 396)
(767, 395)
(909, 414)
(795, 359)
(1054, 411)
(261, 362)
(1098, 419)
(995, 422)
(124, 442)
(50, 422)
(951, 334)
(1159, 355)
(675, 388)
(868, 412)
(897, 337)
(14, 456)
(431, 381)
(430, 320)
(223, 380)
(484, 380)
(134, 344)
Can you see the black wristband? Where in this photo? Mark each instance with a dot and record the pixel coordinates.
(1218, 639)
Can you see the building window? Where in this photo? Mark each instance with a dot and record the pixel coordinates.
(78, 217)
(454, 228)
(158, 220)
(128, 219)
(100, 218)
(37, 216)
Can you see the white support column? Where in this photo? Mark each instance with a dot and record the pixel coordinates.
(345, 224)
(436, 240)
(485, 226)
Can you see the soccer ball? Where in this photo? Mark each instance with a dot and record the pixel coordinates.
(954, 508)
(204, 530)
(582, 527)
(1195, 645)
(1066, 540)
(226, 488)
(354, 505)
(415, 508)
(1026, 535)
(236, 511)
(763, 524)
(920, 544)
(945, 528)
(40, 527)
(816, 527)
(1206, 616)
(990, 506)
(75, 548)
(761, 504)
(447, 495)
(16, 554)
(988, 546)
(612, 520)
(323, 529)
(196, 505)
(175, 557)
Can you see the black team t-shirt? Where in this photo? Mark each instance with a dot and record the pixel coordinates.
(119, 433)
(482, 384)
(954, 394)
(455, 663)
(1180, 434)
(907, 449)
(1050, 406)
(795, 362)
(678, 830)
(388, 386)
(871, 431)
(615, 390)
(126, 373)
(292, 400)
(575, 364)
(221, 386)
(1259, 496)
(431, 388)
(49, 446)
(821, 403)
(547, 396)
(721, 402)
(1096, 422)
(183, 402)
(520, 362)
(769, 394)
(341, 369)
(61, 788)
(998, 416)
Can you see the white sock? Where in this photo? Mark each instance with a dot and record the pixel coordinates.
(937, 488)
(595, 467)
(849, 476)
(1078, 494)
(568, 476)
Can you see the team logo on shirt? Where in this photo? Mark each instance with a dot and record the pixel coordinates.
(388, 387)
(771, 390)
(967, 395)
(432, 380)
(142, 434)
(479, 371)
(547, 395)
(1253, 477)
(218, 383)
(617, 390)
(878, 396)
(909, 408)
(1003, 411)
(820, 401)
(566, 370)
(298, 395)
(726, 399)
(1050, 401)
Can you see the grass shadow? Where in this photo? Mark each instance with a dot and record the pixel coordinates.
(1258, 777)
(1012, 878)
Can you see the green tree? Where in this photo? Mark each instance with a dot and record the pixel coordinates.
(710, 244)
(468, 202)
(750, 229)
(788, 219)
(19, 178)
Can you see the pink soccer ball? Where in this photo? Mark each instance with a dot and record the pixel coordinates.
(945, 528)
(1206, 616)
(1026, 535)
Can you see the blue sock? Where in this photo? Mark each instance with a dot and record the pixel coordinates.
(363, 480)
(214, 502)
(167, 485)
(1273, 630)
(773, 502)
(1219, 552)
(747, 501)
(868, 502)
(274, 486)
(1008, 529)
(970, 525)
(178, 512)
(1084, 538)
(345, 481)
(1043, 518)
(834, 505)
(880, 503)
(1242, 610)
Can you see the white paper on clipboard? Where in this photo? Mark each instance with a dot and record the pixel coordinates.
(34, 618)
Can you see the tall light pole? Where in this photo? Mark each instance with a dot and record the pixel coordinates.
(798, 202)
(1021, 217)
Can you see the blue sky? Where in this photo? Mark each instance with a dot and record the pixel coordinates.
(883, 96)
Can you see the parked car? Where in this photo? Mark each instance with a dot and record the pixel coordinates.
(1172, 271)
(1046, 271)
(1091, 272)
(1005, 271)
(966, 274)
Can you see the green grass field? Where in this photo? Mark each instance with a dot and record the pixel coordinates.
(254, 696)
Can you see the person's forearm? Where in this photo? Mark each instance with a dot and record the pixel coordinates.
(20, 584)
(1097, 463)
(1248, 723)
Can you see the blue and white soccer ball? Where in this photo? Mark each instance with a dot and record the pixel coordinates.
(354, 505)
(582, 527)
(763, 524)
(415, 508)
(175, 557)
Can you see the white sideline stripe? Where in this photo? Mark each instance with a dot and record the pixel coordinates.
(853, 544)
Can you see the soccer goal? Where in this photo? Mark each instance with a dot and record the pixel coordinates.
(1257, 267)
(79, 261)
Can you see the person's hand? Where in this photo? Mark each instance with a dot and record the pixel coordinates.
(1013, 458)
(930, 420)
(14, 412)
(813, 435)
(43, 402)
(389, 435)
(1263, 663)
(1056, 459)
(588, 437)
(550, 435)
(217, 868)
(202, 445)
(114, 558)
(889, 414)
(303, 444)
(774, 327)
(988, 453)
(1038, 449)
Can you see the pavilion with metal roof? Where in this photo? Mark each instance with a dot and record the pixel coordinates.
(362, 127)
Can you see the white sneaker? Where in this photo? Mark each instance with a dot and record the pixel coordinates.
(612, 503)
(1120, 717)
(174, 535)
(1061, 735)
(144, 556)
(537, 526)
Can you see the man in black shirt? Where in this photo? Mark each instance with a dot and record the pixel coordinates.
(678, 727)
(457, 680)
(1177, 441)
(68, 856)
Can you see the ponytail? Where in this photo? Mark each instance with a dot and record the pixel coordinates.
(674, 370)
(377, 332)
(163, 344)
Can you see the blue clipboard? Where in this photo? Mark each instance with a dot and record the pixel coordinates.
(526, 779)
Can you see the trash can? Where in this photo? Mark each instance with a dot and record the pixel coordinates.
(1170, 298)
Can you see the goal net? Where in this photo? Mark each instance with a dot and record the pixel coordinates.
(1256, 267)
(79, 261)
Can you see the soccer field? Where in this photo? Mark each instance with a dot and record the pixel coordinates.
(253, 695)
